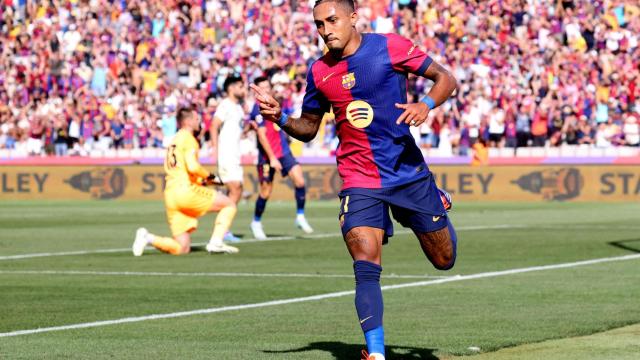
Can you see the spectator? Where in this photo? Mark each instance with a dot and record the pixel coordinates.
(520, 65)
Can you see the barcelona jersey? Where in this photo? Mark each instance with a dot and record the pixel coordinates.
(275, 136)
(363, 88)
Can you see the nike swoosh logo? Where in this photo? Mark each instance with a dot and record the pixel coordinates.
(365, 319)
(328, 76)
(436, 218)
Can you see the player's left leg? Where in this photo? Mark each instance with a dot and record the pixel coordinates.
(440, 246)
(296, 175)
(232, 175)
(414, 207)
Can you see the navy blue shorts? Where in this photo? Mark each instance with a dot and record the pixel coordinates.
(416, 205)
(266, 172)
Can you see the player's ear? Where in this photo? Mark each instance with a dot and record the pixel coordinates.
(354, 19)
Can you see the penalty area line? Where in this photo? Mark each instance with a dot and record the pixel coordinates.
(315, 297)
(247, 241)
(204, 274)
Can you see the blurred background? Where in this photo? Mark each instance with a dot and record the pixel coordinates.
(104, 78)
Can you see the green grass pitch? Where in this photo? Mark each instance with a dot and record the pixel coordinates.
(481, 309)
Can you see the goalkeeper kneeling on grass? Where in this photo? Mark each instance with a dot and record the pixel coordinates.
(186, 197)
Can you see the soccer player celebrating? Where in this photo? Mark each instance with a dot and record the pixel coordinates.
(363, 77)
(275, 154)
(185, 197)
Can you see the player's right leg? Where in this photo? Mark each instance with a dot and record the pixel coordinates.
(179, 245)
(265, 177)
(365, 226)
(297, 177)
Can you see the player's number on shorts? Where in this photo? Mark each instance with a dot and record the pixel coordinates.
(345, 205)
(171, 156)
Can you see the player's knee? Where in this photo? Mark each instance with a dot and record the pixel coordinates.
(265, 191)
(444, 260)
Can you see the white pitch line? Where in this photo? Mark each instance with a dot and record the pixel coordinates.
(203, 274)
(315, 297)
(247, 241)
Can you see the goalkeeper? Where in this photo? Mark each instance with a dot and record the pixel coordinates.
(186, 197)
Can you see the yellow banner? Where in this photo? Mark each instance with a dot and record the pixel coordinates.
(497, 183)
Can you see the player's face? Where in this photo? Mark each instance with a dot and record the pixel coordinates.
(237, 90)
(335, 24)
(193, 122)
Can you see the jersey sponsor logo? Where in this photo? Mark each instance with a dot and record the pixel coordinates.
(411, 50)
(325, 78)
(349, 81)
(359, 114)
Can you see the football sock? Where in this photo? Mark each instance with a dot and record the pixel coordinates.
(166, 244)
(301, 195)
(369, 304)
(223, 221)
(454, 240)
(261, 204)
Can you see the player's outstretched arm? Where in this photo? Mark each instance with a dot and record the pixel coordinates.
(443, 87)
(303, 128)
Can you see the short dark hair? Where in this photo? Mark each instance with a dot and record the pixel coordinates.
(349, 4)
(230, 80)
(183, 113)
(260, 79)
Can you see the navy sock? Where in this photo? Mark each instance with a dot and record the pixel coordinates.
(261, 204)
(301, 195)
(369, 304)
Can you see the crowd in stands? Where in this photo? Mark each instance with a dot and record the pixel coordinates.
(80, 75)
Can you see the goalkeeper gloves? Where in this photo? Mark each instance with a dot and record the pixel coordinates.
(212, 179)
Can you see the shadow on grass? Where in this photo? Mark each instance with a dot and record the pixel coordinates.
(632, 245)
(342, 351)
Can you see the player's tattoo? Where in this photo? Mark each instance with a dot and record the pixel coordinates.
(304, 128)
(438, 247)
(356, 237)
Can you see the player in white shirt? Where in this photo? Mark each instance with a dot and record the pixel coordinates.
(226, 131)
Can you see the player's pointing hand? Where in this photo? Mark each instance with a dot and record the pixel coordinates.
(414, 114)
(269, 107)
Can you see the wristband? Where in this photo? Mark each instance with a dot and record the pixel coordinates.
(283, 120)
(429, 101)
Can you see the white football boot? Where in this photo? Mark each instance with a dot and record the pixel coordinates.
(258, 232)
(221, 248)
(142, 239)
(301, 223)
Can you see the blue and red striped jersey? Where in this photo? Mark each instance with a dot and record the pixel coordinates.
(275, 136)
(363, 89)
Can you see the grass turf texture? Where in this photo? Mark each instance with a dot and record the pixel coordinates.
(440, 321)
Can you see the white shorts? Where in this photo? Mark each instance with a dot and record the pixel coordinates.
(230, 173)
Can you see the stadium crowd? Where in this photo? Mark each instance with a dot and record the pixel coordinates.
(79, 75)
